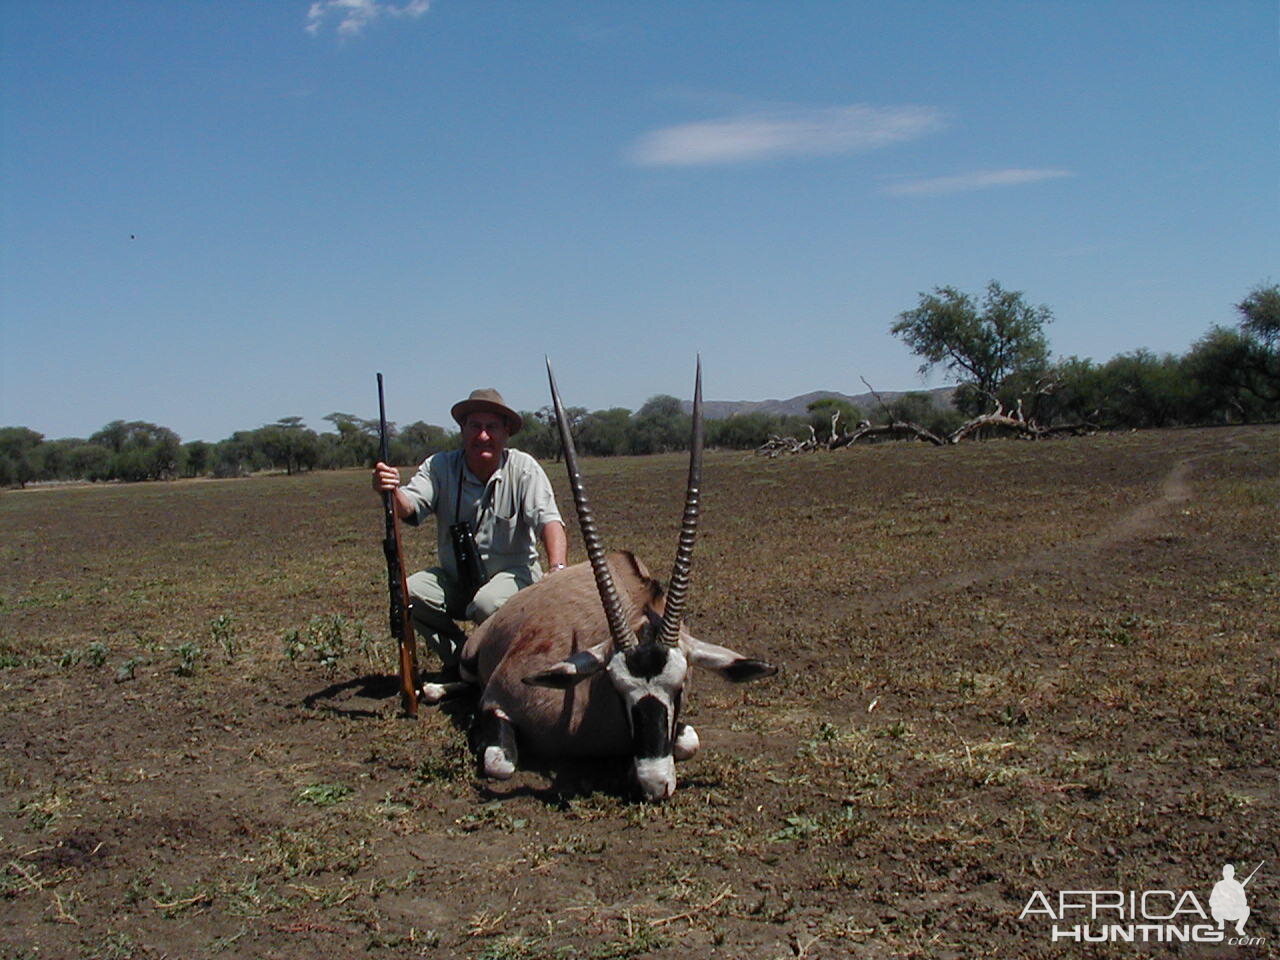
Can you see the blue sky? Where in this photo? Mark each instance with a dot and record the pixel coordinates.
(219, 214)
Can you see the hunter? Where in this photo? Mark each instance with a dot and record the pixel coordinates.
(492, 506)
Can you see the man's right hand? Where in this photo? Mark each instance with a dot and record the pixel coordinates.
(385, 478)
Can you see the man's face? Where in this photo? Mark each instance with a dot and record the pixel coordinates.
(484, 437)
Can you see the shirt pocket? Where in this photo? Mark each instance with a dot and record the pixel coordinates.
(502, 521)
(506, 507)
(502, 535)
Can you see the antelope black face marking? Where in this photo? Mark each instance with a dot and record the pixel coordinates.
(647, 661)
(651, 728)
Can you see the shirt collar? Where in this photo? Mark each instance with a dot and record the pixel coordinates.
(496, 477)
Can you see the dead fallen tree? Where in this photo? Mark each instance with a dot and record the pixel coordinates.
(894, 430)
(997, 422)
(1028, 429)
(776, 444)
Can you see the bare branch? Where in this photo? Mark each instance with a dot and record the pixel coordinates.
(879, 399)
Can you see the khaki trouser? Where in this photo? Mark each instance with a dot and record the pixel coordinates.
(436, 601)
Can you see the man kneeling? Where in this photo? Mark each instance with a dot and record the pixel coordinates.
(492, 505)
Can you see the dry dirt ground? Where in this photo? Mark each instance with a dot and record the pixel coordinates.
(1005, 668)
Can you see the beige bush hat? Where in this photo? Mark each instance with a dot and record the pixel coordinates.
(490, 401)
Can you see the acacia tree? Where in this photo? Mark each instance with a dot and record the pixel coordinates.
(1261, 312)
(605, 433)
(1261, 323)
(289, 442)
(140, 450)
(197, 457)
(419, 440)
(982, 344)
(1238, 371)
(541, 434)
(356, 444)
(660, 426)
(17, 454)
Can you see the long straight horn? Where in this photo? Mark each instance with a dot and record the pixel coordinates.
(624, 637)
(678, 590)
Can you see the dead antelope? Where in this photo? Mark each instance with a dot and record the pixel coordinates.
(592, 661)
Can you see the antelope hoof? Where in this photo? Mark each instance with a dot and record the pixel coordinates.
(432, 693)
(497, 765)
(686, 743)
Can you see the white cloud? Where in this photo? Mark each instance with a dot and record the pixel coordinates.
(977, 180)
(784, 132)
(354, 15)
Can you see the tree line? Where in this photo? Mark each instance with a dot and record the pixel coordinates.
(994, 346)
(138, 450)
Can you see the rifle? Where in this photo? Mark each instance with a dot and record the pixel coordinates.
(397, 585)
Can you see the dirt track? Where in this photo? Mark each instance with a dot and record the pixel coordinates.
(1006, 667)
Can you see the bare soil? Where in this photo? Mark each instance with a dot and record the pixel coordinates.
(1006, 667)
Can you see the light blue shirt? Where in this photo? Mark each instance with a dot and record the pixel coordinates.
(507, 512)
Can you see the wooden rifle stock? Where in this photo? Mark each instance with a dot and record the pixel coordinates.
(397, 582)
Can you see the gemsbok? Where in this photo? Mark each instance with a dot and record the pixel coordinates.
(591, 661)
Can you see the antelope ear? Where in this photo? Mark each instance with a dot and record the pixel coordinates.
(734, 667)
(573, 669)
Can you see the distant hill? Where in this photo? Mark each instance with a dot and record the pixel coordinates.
(799, 406)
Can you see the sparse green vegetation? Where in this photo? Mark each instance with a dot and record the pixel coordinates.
(324, 794)
(222, 630)
(128, 669)
(189, 655)
(92, 655)
(326, 640)
(44, 809)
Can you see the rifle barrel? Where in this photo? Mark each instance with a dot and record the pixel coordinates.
(397, 584)
(382, 422)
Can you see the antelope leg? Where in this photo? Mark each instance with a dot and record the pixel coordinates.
(496, 741)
